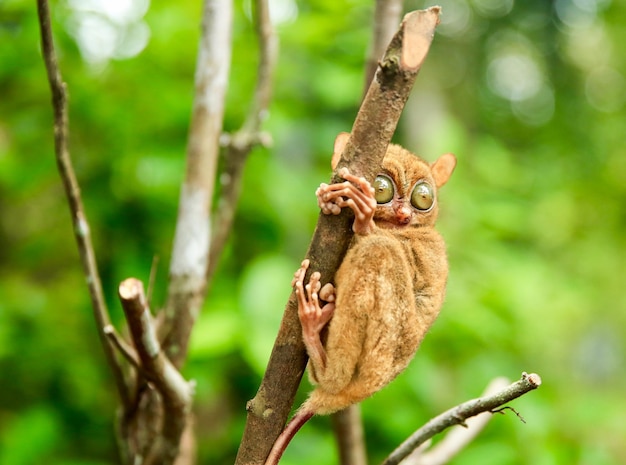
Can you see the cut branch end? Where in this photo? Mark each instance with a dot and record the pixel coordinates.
(419, 30)
(130, 289)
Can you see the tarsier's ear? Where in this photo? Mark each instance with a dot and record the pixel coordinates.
(340, 144)
(443, 168)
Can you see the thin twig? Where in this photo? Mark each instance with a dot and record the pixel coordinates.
(507, 407)
(82, 232)
(458, 437)
(240, 144)
(151, 280)
(174, 390)
(126, 350)
(460, 413)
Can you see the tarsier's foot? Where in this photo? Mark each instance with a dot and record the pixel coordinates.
(355, 193)
(313, 316)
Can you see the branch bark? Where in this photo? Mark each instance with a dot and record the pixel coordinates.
(460, 413)
(348, 427)
(347, 423)
(188, 267)
(372, 130)
(174, 391)
(82, 231)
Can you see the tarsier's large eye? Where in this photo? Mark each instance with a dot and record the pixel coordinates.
(422, 196)
(383, 189)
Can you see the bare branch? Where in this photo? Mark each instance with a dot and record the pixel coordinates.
(458, 437)
(460, 413)
(241, 143)
(188, 267)
(127, 351)
(175, 392)
(82, 231)
(349, 434)
(371, 133)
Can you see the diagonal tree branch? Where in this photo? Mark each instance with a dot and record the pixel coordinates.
(347, 423)
(241, 143)
(460, 413)
(82, 232)
(363, 154)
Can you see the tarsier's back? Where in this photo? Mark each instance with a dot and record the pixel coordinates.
(389, 288)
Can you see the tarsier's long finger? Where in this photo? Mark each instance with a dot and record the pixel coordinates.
(314, 283)
(328, 207)
(332, 198)
(361, 203)
(300, 272)
(359, 181)
(335, 192)
(327, 293)
(312, 289)
(301, 294)
(301, 297)
(363, 184)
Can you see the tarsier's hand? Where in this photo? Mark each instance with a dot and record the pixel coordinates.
(313, 316)
(355, 193)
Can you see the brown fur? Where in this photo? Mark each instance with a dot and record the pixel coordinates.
(389, 290)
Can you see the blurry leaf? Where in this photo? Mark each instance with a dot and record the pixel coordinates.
(487, 452)
(29, 437)
(215, 333)
(265, 287)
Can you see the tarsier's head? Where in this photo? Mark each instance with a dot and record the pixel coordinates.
(406, 189)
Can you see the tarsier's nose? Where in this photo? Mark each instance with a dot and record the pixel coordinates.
(403, 215)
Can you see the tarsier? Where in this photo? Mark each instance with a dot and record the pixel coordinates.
(388, 289)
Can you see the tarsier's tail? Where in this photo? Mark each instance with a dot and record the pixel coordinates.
(299, 419)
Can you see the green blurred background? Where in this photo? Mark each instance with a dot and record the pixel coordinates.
(530, 96)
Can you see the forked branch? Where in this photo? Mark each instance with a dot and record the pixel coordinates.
(460, 413)
(175, 392)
